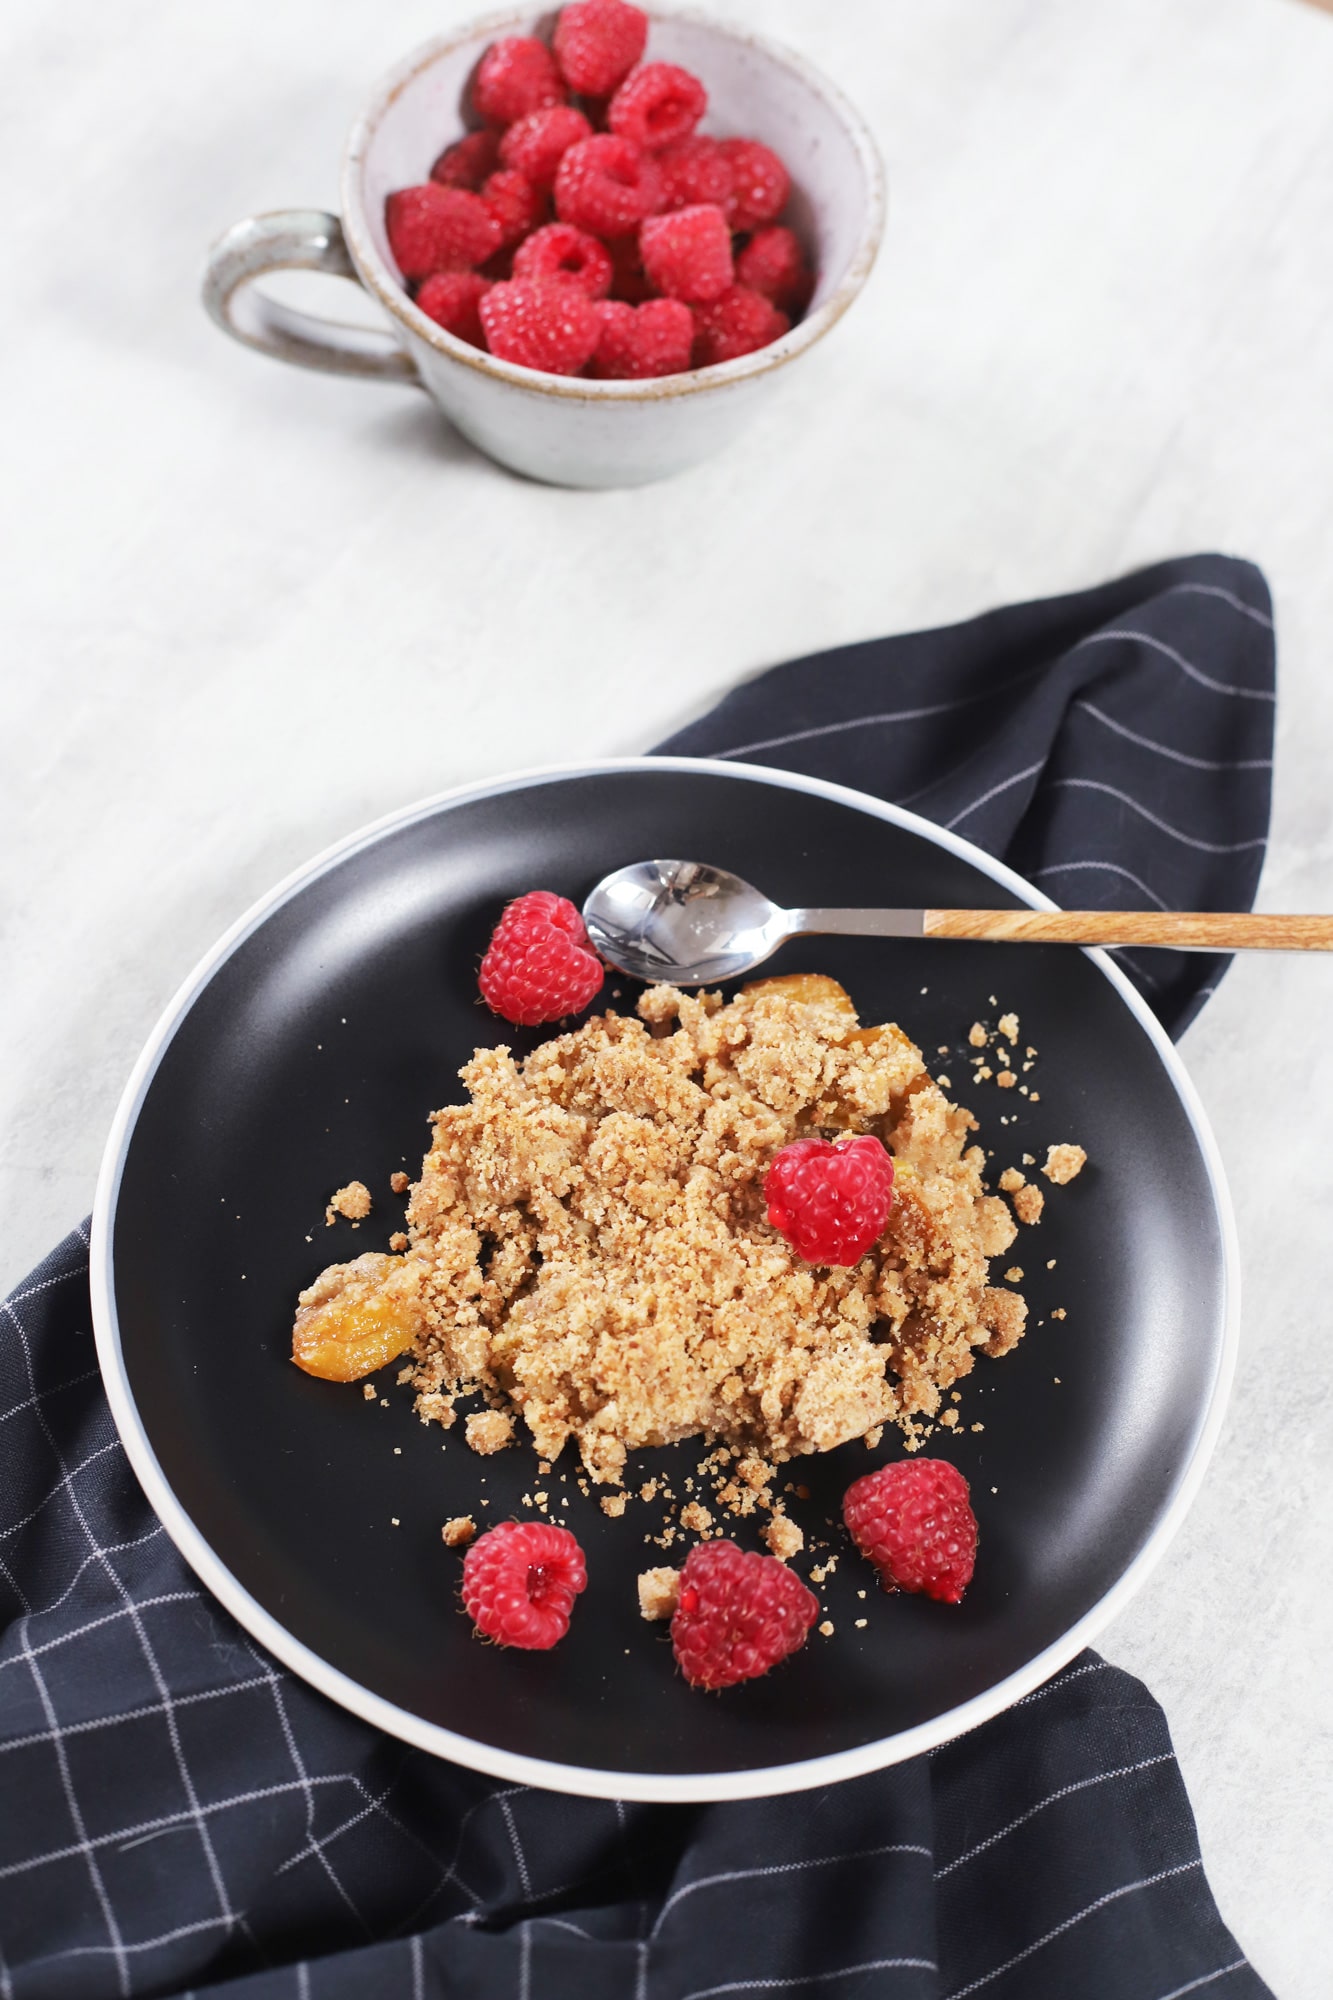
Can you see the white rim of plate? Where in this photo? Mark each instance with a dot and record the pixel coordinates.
(645, 1786)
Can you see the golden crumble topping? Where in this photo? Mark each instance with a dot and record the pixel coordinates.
(588, 1246)
(489, 1431)
(590, 1243)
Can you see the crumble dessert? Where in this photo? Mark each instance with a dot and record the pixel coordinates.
(589, 1245)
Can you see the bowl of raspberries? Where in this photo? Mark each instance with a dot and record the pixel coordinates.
(600, 236)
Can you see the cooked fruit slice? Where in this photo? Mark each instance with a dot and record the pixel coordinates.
(357, 1317)
(810, 989)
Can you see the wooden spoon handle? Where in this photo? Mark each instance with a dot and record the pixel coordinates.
(1179, 930)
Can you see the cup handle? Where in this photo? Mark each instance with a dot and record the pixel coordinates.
(295, 239)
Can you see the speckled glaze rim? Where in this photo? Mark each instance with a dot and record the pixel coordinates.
(587, 1782)
(380, 281)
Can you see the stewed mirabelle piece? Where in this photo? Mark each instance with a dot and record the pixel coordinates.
(357, 1317)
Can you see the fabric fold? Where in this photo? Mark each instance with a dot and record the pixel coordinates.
(1114, 746)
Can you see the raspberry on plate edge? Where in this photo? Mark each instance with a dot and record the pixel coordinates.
(520, 1580)
(737, 1615)
(539, 966)
(914, 1521)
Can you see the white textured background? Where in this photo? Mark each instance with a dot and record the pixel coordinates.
(244, 609)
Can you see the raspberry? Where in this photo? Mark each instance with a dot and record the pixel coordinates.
(597, 43)
(687, 255)
(538, 966)
(658, 106)
(550, 326)
(760, 186)
(737, 323)
(655, 338)
(606, 185)
(433, 228)
(696, 170)
(773, 263)
(515, 204)
(831, 1201)
(520, 1580)
(515, 76)
(451, 299)
(915, 1522)
(534, 147)
(545, 905)
(738, 1614)
(467, 162)
(559, 251)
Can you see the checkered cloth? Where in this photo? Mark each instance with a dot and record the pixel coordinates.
(178, 1813)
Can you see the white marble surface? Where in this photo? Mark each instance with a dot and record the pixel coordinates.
(245, 610)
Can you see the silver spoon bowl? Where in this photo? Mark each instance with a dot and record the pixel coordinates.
(687, 924)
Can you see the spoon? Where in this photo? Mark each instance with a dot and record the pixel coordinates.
(685, 923)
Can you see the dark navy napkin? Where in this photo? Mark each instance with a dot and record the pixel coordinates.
(178, 1813)
(1116, 746)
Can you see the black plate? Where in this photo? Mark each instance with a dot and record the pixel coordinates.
(310, 1049)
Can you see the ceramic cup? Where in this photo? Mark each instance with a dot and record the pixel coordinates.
(565, 430)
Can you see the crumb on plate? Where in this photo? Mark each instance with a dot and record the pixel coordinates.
(489, 1431)
(1029, 1203)
(659, 1592)
(783, 1537)
(352, 1202)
